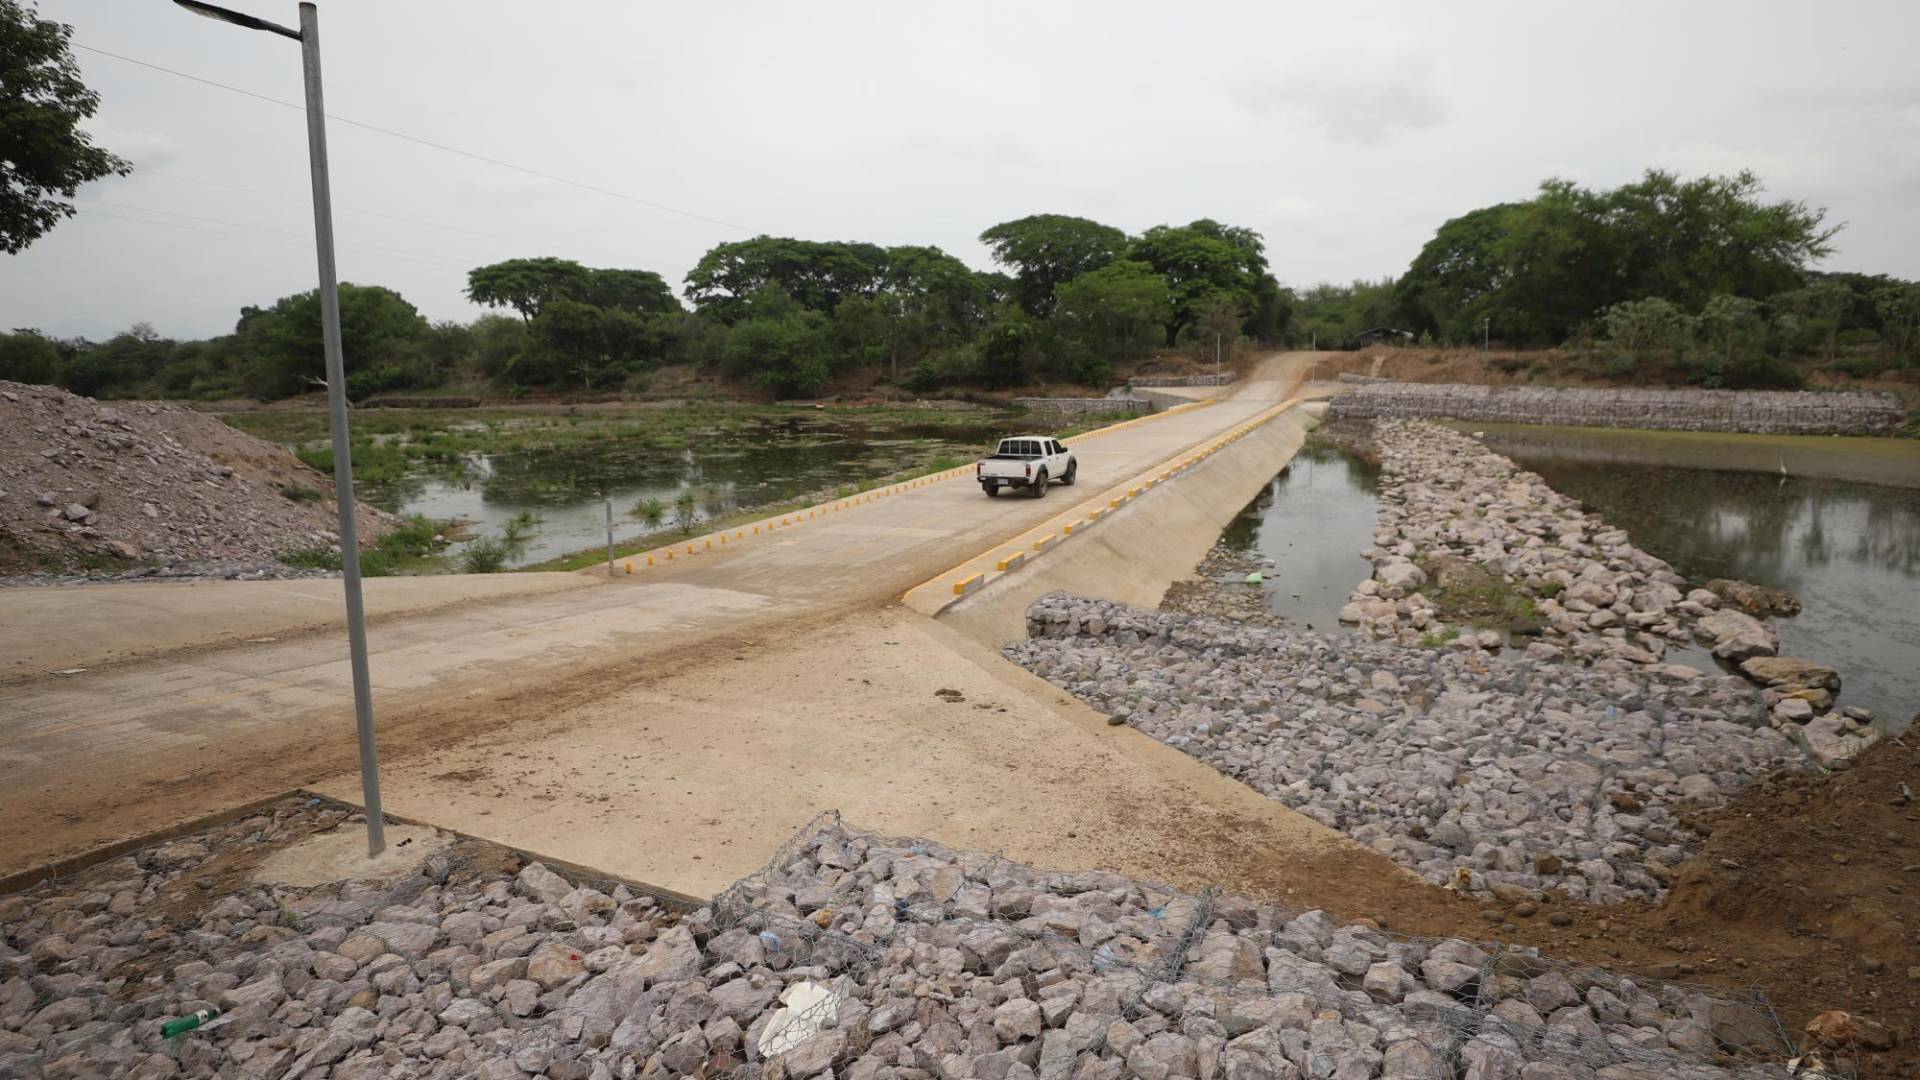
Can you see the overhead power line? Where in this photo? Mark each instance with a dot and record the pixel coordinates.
(404, 137)
(305, 238)
(254, 232)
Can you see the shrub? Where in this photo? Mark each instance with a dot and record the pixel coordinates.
(485, 556)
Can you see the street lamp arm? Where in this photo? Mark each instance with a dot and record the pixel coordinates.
(212, 11)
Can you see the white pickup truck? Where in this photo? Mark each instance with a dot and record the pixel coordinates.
(1027, 461)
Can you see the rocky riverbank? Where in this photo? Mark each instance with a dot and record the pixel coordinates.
(877, 959)
(1473, 553)
(1483, 774)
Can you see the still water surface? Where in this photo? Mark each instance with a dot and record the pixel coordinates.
(754, 465)
(1849, 551)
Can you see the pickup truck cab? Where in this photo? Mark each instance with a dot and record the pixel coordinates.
(1029, 462)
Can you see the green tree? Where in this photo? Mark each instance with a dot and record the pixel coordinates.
(579, 342)
(1458, 276)
(1651, 323)
(527, 285)
(1008, 349)
(27, 356)
(783, 345)
(1200, 261)
(1045, 251)
(815, 275)
(44, 156)
(1537, 270)
(378, 328)
(1898, 307)
(641, 292)
(1114, 312)
(1732, 326)
(1820, 308)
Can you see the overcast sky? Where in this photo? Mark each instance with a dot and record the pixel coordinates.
(1346, 133)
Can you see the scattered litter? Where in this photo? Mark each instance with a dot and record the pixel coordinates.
(262, 640)
(806, 1007)
(180, 1025)
(1254, 578)
(69, 671)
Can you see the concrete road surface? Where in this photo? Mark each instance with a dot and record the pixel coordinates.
(672, 726)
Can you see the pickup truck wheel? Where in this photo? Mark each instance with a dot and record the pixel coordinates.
(1039, 485)
(1073, 470)
(992, 489)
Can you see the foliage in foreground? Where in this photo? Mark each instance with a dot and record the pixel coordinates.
(404, 549)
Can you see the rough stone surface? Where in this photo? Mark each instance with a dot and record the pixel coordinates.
(1759, 411)
(1476, 772)
(152, 482)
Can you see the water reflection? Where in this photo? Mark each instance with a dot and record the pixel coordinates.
(1851, 552)
(725, 471)
(1312, 520)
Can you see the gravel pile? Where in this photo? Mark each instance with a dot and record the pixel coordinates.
(1483, 774)
(150, 482)
(850, 956)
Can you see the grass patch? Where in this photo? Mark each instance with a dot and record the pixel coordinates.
(1463, 591)
(407, 549)
(300, 493)
(1435, 639)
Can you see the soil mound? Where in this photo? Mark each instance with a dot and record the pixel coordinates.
(144, 481)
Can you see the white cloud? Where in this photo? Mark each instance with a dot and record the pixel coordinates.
(1368, 103)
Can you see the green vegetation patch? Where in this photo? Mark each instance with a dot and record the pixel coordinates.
(407, 549)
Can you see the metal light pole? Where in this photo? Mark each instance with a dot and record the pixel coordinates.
(309, 38)
(1216, 354)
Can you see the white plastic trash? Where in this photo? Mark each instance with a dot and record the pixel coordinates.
(806, 1008)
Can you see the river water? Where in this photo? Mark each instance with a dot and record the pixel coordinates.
(726, 471)
(1850, 551)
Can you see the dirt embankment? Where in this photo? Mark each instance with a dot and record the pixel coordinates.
(84, 483)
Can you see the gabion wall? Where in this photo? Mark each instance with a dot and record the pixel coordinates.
(1766, 412)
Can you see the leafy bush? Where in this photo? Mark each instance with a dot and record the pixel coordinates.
(486, 555)
(948, 367)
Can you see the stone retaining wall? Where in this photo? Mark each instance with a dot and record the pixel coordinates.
(1757, 411)
(1080, 405)
(1184, 380)
(1355, 377)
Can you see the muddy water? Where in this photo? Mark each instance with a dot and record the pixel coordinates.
(724, 471)
(1311, 521)
(1849, 550)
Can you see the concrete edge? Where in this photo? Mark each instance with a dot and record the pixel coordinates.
(61, 869)
(975, 575)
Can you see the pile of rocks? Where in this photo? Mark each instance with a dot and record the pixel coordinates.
(151, 482)
(1457, 516)
(1458, 520)
(461, 970)
(1484, 774)
(1689, 409)
(960, 964)
(850, 955)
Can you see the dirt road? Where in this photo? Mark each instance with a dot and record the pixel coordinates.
(672, 726)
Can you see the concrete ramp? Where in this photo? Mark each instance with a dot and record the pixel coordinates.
(1142, 547)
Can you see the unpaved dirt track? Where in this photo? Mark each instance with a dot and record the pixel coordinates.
(134, 746)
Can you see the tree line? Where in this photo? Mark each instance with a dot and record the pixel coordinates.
(1705, 276)
(1071, 297)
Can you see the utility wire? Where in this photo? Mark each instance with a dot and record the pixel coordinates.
(306, 237)
(306, 244)
(442, 147)
(338, 207)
